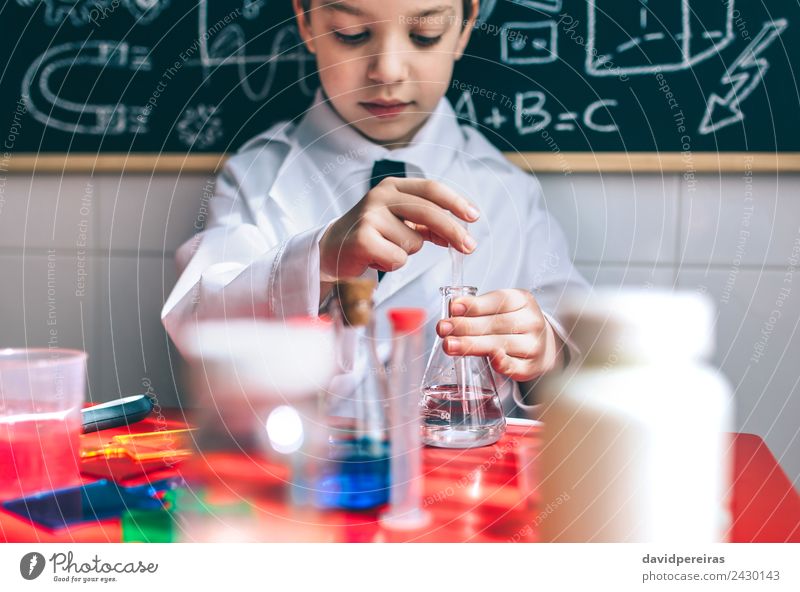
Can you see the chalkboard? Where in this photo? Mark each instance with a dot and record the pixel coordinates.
(544, 76)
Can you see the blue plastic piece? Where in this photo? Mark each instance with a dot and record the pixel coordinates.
(88, 503)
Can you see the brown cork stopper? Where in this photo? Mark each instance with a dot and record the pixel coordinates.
(355, 300)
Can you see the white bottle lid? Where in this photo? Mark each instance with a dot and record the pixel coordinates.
(636, 325)
(279, 361)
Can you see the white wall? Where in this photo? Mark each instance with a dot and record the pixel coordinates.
(634, 230)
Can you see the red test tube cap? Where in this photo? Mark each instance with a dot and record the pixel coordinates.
(407, 320)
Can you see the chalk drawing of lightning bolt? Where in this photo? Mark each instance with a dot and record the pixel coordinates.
(744, 76)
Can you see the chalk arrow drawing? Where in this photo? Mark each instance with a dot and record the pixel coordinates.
(743, 76)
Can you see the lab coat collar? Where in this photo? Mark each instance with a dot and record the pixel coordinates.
(324, 135)
(325, 138)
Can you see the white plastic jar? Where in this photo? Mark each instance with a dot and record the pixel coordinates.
(636, 443)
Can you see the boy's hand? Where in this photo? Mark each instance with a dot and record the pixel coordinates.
(508, 327)
(390, 223)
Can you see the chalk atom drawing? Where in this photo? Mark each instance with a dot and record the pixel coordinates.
(642, 37)
(742, 77)
(111, 118)
(200, 127)
(529, 43)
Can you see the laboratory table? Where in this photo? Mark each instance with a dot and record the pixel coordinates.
(478, 495)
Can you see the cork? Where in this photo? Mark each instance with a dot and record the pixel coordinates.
(355, 300)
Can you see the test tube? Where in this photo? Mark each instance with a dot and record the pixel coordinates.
(406, 369)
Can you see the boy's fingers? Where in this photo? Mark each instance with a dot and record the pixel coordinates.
(520, 346)
(400, 234)
(514, 368)
(441, 195)
(491, 303)
(418, 211)
(427, 234)
(515, 323)
(384, 255)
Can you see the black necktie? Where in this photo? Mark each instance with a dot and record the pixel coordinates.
(380, 170)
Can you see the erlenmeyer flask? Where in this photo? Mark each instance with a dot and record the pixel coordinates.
(460, 405)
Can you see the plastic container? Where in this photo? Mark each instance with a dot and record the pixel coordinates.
(636, 439)
(356, 474)
(256, 386)
(406, 366)
(41, 395)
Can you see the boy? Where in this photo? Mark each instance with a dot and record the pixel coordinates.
(377, 179)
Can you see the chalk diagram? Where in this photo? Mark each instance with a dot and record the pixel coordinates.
(83, 12)
(52, 110)
(200, 127)
(233, 46)
(646, 36)
(485, 10)
(54, 104)
(531, 115)
(743, 77)
(531, 42)
(546, 5)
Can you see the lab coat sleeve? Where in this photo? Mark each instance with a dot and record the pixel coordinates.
(551, 273)
(236, 269)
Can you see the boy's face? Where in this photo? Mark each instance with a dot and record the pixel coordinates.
(384, 64)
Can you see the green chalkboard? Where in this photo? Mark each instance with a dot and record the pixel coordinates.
(171, 76)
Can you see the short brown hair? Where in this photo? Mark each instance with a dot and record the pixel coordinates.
(466, 3)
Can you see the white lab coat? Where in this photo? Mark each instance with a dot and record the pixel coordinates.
(259, 253)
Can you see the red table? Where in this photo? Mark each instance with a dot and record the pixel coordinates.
(478, 495)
